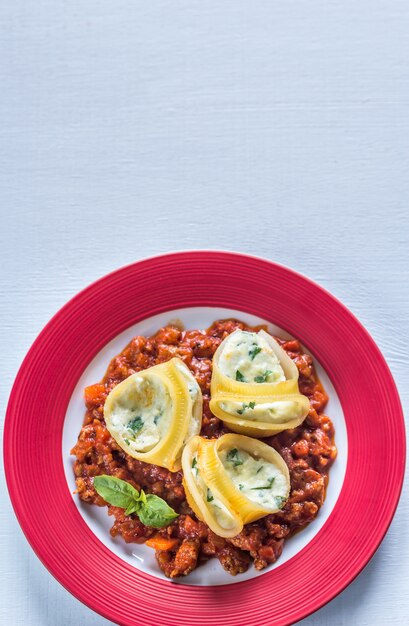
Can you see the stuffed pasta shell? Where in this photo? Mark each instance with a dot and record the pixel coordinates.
(254, 386)
(209, 505)
(249, 474)
(153, 413)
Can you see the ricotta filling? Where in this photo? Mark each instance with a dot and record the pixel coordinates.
(142, 414)
(278, 411)
(260, 481)
(248, 358)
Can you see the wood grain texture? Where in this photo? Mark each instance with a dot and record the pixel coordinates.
(278, 129)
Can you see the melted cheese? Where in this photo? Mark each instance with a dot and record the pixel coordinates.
(248, 358)
(260, 481)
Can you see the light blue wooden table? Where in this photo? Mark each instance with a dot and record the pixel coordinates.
(275, 128)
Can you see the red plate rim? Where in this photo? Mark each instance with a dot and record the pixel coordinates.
(45, 382)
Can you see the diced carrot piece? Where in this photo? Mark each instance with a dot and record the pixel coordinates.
(161, 543)
(94, 394)
(190, 525)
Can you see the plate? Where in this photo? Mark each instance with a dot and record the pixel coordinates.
(45, 413)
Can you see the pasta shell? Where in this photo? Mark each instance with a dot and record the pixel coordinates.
(218, 479)
(282, 406)
(170, 383)
(280, 398)
(214, 511)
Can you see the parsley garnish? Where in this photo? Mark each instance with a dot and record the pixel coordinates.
(209, 496)
(259, 469)
(233, 457)
(245, 406)
(270, 483)
(135, 424)
(194, 462)
(263, 377)
(239, 376)
(254, 350)
(280, 501)
(241, 487)
(127, 441)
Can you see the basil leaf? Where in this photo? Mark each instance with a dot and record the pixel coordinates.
(239, 376)
(151, 510)
(115, 491)
(254, 350)
(142, 497)
(156, 512)
(133, 508)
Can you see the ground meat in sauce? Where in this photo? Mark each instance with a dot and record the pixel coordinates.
(308, 450)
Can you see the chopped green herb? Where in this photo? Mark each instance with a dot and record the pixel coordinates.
(239, 376)
(233, 457)
(241, 487)
(194, 462)
(262, 378)
(245, 406)
(127, 441)
(254, 350)
(259, 469)
(209, 496)
(135, 424)
(280, 500)
(270, 483)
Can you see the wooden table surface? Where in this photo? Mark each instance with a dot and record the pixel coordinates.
(274, 128)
